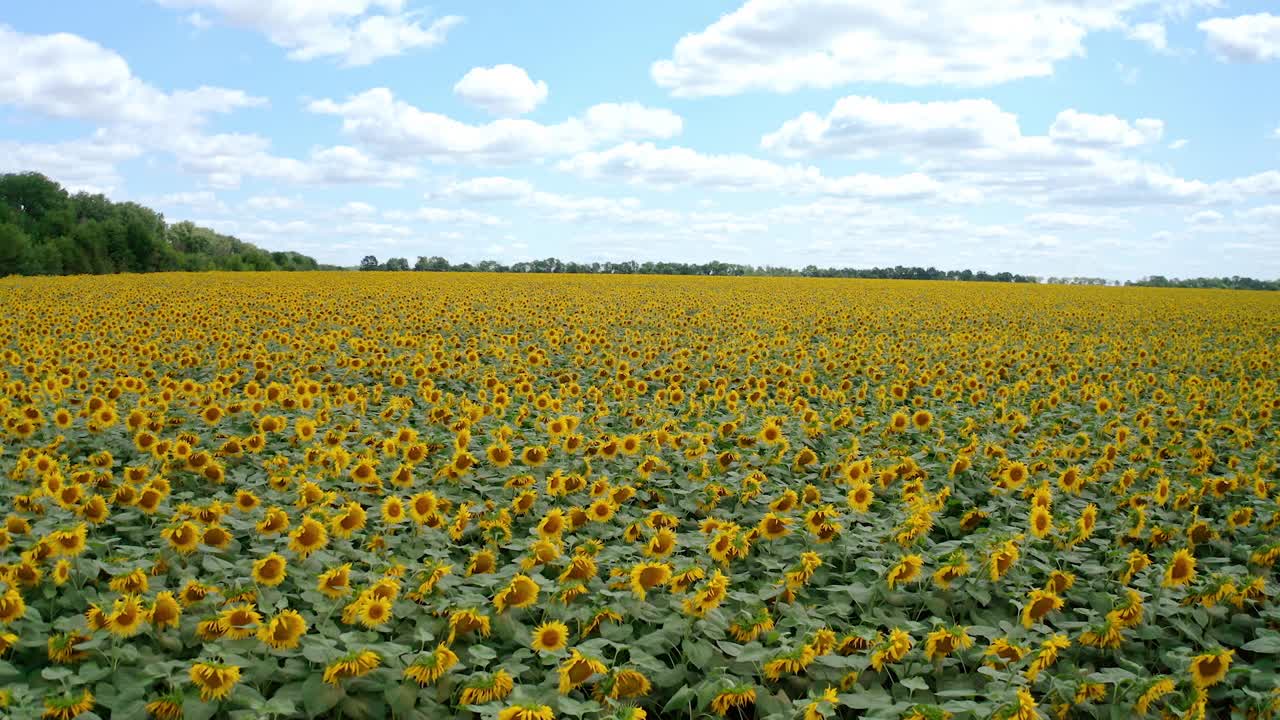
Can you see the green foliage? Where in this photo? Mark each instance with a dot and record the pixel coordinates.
(44, 230)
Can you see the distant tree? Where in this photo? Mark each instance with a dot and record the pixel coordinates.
(15, 250)
(369, 262)
(396, 264)
(435, 263)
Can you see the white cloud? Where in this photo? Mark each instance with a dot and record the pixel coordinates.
(672, 167)
(271, 202)
(484, 189)
(1205, 217)
(648, 164)
(1151, 34)
(353, 30)
(66, 76)
(785, 45)
(864, 127)
(1076, 128)
(501, 90)
(356, 208)
(202, 200)
(87, 164)
(1074, 221)
(445, 216)
(197, 21)
(1178, 144)
(1246, 38)
(396, 129)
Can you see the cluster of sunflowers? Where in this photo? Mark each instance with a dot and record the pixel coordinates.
(525, 498)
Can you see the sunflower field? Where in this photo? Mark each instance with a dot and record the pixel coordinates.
(429, 495)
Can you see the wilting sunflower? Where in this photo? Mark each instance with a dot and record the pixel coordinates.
(486, 690)
(165, 611)
(1039, 604)
(283, 631)
(907, 570)
(945, 640)
(352, 665)
(550, 637)
(526, 712)
(166, 707)
(67, 706)
(1210, 668)
(1181, 570)
(215, 680)
(430, 667)
(521, 592)
(577, 669)
(738, 696)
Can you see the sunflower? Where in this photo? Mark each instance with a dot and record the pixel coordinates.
(1039, 604)
(1040, 522)
(352, 665)
(336, 582)
(1046, 656)
(67, 707)
(533, 455)
(907, 569)
(624, 683)
(1001, 652)
(943, 641)
(284, 631)
(550, 637)
(738, 696)
(1181, 570)
(526, 712)
(1002, 559)
(1158, 688)
(270, 570)
(373, 612)
(62, 648)
(648, 575)
(466, 621)
(499, 454)
(430, 667)
(274, 522)
(126, 616)
(860, 497)
(240, 621)
(1210, 668)
(184, 538)
(308, 538)
(165, 611)
(521, 592)
(486, 690)
(352, 520)
(393, 510)
(215, 680)
(577, 669)
(167, 707)
(892, 649)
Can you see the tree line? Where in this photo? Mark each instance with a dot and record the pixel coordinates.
(715, 267)
(1235, 282)
(44, 230)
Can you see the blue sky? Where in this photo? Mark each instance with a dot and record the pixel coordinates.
(1105, 138)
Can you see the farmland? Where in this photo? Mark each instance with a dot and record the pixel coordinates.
(432, 495)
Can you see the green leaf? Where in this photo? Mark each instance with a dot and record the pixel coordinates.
(1268, 644)
(319, 696)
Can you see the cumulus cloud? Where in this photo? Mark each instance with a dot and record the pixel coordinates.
(1245, 38)
(1076, 128)
(503, 90)
(1151, 34)
(357, 32)
(394, 128)
(66, 76)
(87, 164)
(786, 45)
